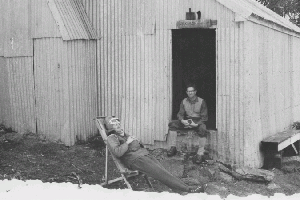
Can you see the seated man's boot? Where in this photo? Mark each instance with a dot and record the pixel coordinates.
(206, 157)
(198, 159)
(172, 151)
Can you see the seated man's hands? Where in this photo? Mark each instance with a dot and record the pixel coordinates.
(193, 124)
(188, 124)
(130, 139)
(185, 122)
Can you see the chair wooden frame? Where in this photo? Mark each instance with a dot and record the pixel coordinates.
(125, 172)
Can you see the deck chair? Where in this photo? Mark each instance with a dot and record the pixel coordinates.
(125, 172)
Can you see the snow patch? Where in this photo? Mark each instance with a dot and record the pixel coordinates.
(35, 189)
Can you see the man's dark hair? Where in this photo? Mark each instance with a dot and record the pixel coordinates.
(191, 85)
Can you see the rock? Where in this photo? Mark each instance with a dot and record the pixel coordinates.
(288, 169)
(2, 138)
(291, 166)
(216, 187)
(286, 160)
(196, 174)
(226, 177)
(13, 137)
(42, 137)
(157, 152)
(273, 186)
(212, 172)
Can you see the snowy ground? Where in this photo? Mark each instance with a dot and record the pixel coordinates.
(16, 189)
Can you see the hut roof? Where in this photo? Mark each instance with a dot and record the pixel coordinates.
(247, 8)
(72, 20)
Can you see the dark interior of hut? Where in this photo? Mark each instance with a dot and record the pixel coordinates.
(194, 61)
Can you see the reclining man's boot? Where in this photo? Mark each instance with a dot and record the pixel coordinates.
(172, 151)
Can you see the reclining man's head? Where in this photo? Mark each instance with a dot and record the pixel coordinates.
(113, 124)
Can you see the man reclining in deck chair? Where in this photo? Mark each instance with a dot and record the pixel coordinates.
(135, 157)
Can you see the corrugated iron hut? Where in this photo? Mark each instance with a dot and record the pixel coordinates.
(243, 57)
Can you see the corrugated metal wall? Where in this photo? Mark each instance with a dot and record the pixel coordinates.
(135, 60)
(4, 94)
(17, 19)
(20, 94)
(270, 58)
(227, 143)
(295, 52)
(2, 24)
(257, 93)
(54, 92)
(65, 88)
(17, 77)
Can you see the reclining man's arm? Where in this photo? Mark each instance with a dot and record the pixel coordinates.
(116, 148)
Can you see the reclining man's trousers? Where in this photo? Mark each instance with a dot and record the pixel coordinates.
(151, 166)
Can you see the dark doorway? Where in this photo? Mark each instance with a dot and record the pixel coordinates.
(194, 61)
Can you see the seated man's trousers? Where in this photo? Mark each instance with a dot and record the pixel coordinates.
(175, 125)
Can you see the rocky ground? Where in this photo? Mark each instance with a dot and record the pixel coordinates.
(32, 157)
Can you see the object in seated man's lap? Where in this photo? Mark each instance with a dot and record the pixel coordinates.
(192, 124)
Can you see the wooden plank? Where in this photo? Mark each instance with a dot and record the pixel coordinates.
(289, 141)
(195, 23)
(282, 136)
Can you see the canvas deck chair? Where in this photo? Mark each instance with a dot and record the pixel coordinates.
(125, 172)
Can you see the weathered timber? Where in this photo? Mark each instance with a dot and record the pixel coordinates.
(273, 147)
(247, 173)
(283, 139)
(195, 23)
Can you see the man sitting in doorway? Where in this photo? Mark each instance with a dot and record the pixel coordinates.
(132, 154)
(192, 114)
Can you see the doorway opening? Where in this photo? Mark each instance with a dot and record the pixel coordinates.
(194, 61)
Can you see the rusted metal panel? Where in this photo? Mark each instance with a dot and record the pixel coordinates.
(42, 21)
(65, 88)
(20, 101)
(72, 19)
(18, 40)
